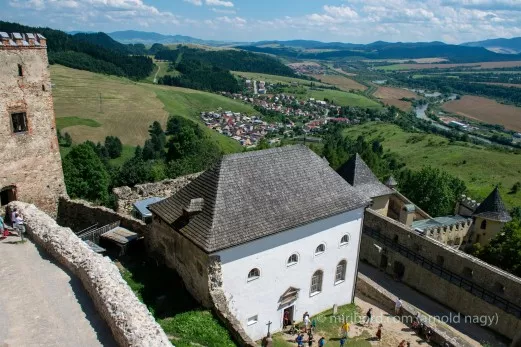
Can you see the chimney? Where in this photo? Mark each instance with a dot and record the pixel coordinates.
(407, 214)
(194, 207)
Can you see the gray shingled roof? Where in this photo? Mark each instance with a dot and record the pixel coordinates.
(356, 172)
(251, 195)
(493, 208)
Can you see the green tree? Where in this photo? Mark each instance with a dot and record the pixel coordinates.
(113, 147)
(515, 188)
(435, 191)
(134, 171)
(85, 174)
(504, 250)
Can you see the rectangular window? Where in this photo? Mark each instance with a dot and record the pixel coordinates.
(253, 320)
(19, 122)
(20, 70)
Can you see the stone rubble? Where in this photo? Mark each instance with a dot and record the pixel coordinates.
(129, 195)
(129, 320)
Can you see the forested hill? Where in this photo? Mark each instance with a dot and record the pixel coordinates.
(229, 60)
(92, 52)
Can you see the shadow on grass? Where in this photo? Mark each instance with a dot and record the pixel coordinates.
(159, 287)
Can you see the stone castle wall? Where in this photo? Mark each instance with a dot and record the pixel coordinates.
(129, 320)
(503, 284)
(365, 287)
(166, 188)
(79, 215)
(31, 162)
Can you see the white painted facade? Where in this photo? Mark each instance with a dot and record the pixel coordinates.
(260, 297)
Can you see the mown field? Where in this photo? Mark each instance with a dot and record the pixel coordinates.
(481, 169)
(127, 108)
(342, 98)
(482, 65)
(486, 110)
(392, 96)
(274, 78)
(342, 82)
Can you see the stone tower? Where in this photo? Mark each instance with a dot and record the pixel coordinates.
(30, 164)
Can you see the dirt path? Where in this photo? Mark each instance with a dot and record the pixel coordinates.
(43, 305)
(158, 69)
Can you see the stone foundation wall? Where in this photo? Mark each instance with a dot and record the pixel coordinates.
(129, 320)
(433, 285)
(441, 334)
(79, 215)
(129, 195)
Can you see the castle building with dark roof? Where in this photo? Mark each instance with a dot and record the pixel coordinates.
(280, 225)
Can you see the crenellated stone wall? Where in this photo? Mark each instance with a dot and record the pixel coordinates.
(442, 289)
(129, 320)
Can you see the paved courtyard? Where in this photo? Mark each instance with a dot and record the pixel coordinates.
(41, 304)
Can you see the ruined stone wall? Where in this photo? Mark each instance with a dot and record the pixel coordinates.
(443, 291)
(129, 320)
(129, 195)
(180, 254)
(31, 160)
(79, 215)
(365, 287)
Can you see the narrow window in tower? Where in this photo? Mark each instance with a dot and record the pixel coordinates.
(19, 121)
(20, 70)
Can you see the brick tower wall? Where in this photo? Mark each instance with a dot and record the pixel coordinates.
(30, 157)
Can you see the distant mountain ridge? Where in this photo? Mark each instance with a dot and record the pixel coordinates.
(501, 45)
(134, 36)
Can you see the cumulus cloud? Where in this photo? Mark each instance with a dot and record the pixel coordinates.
(219, 3)
(223, 11)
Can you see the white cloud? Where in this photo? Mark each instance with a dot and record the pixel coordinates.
(223, 11)
(236, 21)
(195, 2)
(219, 3)
(340, 12)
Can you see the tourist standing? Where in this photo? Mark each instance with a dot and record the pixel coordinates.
(300, 340)
(310, 340)
(345, 329)
(286, 320)
(368, 316)
(398, 307)
(322, 342)
(379, 332)
(342, 341)
(307, 323)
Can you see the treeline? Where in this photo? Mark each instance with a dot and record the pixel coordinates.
(182, 149)
(202, 76)
(452, 85)
(92, 52)
(229, 60)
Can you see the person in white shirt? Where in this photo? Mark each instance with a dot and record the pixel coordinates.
(13, 216)
(398, 307)
(19, 223)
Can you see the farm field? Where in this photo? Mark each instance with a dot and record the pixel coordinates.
(486, 110)
(341, 82)
(343, 98)
(482, 65)
(392, 96)
(401, 61)
(128, 108)
(501, 84)
(273, 78)
(480, 168)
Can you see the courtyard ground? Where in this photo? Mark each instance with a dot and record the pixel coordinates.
(42, 304)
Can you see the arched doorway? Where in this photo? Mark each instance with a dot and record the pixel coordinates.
(7, 194)
(399, 270)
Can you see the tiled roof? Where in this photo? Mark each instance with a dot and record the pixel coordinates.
(356, 172)
(493, 208)
(252, 195)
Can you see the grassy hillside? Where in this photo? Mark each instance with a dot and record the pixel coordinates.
(127, 108)
(480, 168)
(274, 78)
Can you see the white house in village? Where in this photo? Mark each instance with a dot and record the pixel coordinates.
(276, 230)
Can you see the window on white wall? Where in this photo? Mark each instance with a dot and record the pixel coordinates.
(320, 249)
(253, 274)
(316, 282)
(253, 320)
(293, 259)
(340, 273)
(344, 240)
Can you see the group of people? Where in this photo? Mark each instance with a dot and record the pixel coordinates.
(16, 221)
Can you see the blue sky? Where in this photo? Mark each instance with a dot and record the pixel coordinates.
(357, 21)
